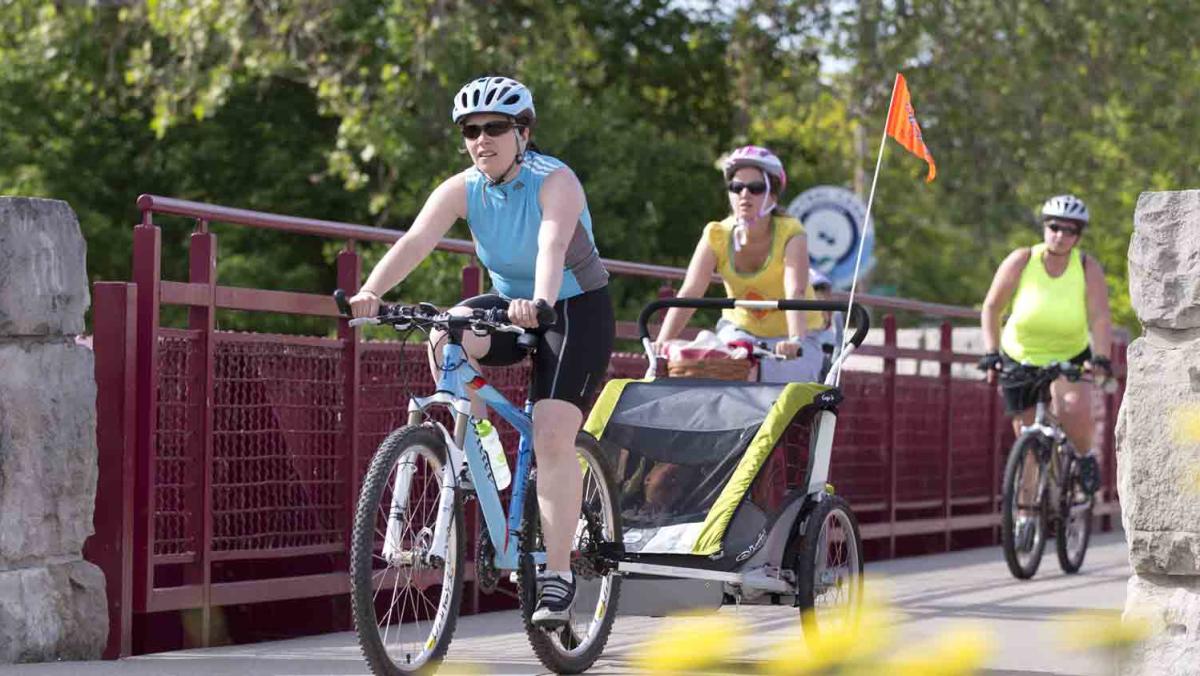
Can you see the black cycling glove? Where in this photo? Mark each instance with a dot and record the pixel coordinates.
(1103, 364)
(990, 362)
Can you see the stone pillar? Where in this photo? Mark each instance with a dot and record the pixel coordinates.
(1156, 468)
(52, 602)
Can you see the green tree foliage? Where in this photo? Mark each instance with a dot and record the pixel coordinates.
(337, 109)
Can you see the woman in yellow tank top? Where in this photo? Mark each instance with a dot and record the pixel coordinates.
(760, 253)
(1058, 302)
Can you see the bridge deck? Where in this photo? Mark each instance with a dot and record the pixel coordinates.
(933, 593)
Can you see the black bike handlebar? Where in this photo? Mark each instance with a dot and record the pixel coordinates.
(546, 316)
(862, 319)
(1048, 373)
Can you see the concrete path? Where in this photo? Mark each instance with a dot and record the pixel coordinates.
(932, 592)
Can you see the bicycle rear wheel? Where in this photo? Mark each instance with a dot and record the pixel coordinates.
(1023, 511)
(1075, 518)
(405, 600)
(574, 647)
(829, 568)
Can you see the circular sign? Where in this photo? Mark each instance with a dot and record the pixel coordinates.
(833, 218)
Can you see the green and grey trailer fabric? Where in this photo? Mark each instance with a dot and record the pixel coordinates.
(686, 452)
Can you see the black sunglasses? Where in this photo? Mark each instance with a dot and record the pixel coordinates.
(755, 187)
(494, 128)
(1070, 230)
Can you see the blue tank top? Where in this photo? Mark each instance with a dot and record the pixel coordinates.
(505, 220)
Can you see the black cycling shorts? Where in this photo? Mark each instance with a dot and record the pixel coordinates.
(1022, 396)
(572, 356)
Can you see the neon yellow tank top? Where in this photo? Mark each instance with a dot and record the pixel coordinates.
(1049, 314)
(764, 283)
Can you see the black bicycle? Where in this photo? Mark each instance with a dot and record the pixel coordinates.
(1043, 483)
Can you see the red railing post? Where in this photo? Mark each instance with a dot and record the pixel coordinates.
(111, 546)
(349, 271)
(945, 358)
(202, 269)
(890, 432)
(147, 260)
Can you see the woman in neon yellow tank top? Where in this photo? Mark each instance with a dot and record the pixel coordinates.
(1058, 303)
(761, 253)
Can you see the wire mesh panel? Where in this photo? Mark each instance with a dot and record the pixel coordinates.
(176, 473)
(971, 439)
(277, 412)
(920, 462)
(389, 375)
(858, 467)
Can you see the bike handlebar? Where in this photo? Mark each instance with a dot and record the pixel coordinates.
(1049, 373)
(862, 319)
(495, 319)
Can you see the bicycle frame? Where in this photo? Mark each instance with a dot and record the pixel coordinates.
(1045, 424)
(457, 379)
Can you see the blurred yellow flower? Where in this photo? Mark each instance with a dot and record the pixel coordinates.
(1186, 424)
(689, 644)
(839, 645)
(1097, 630)
(961, 650)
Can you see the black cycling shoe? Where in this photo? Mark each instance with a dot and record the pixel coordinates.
(1089, 474)
(556, 598)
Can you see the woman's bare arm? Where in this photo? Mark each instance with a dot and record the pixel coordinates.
(699, 274)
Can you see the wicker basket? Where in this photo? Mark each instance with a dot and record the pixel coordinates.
(718, 369)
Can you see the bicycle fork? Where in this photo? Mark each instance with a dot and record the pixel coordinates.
(427, 547)
(392, 540)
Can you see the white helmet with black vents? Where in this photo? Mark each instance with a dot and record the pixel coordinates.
(1065, 206)
(493, 94)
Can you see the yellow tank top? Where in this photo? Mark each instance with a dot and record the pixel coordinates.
(764, 283)
(1049, 314)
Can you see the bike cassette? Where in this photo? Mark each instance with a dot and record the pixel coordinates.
(586, 562)
(487, 576)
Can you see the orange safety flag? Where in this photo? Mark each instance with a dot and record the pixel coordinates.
(902, 125)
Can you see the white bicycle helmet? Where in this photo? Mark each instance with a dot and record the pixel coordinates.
(493, 94)
(1065, 206)
(758, 157)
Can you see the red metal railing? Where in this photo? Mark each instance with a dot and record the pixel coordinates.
(229, 462)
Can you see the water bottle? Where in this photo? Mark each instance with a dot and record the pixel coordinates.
(489, 438)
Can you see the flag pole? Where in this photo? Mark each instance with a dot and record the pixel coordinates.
(867, 221)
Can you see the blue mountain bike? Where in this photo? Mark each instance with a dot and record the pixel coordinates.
(407, 562)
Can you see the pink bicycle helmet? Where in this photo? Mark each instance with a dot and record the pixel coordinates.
(755, 156)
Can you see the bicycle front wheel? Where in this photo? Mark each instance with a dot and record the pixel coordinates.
(1075, 518)
(1023, 510)
(575, 646)
(405, 597)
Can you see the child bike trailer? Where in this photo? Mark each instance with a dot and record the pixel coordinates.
(708, 513)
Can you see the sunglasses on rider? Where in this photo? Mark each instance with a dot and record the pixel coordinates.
(1069, 230)
(755, 187)
(494, 128)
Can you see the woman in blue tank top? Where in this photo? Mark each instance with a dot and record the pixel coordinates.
(533, 232)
